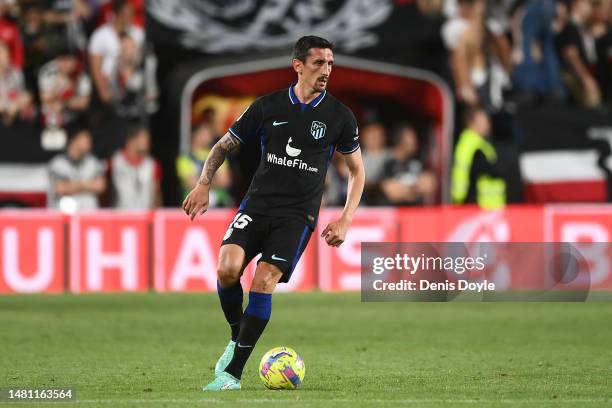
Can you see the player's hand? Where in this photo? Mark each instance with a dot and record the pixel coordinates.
(335, 232)
(196, 201)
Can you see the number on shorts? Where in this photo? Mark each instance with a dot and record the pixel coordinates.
(241, 221)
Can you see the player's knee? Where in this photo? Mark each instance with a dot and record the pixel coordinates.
(228, 272)
(266, 278)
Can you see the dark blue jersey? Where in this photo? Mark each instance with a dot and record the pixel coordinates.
(297, 142)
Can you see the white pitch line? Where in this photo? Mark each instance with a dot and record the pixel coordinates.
(373, 401)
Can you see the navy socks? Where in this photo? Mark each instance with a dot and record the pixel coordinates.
(252, 325)
(231, 303)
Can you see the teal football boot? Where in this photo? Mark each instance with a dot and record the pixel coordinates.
(223, 382)
(225, 358)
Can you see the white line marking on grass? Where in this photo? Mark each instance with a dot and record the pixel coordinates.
(372, 401)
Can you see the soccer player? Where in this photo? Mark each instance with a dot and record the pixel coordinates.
(298, 129)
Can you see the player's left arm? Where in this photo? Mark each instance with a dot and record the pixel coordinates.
(335, 232)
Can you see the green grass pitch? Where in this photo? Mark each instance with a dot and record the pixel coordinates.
(153, 350)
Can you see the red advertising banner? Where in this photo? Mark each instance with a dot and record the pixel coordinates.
(32, 248)
(186, 252)
(340, 268)
(587, 226)
(471, 224)
(109, 252)
(112, 251)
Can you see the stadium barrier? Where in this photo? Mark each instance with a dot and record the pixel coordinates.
(109, 251)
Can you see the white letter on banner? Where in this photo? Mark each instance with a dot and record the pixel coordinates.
(44, 267)
(126, 260)
(195, 261)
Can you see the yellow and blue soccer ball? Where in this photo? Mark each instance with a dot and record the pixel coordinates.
(282, 369)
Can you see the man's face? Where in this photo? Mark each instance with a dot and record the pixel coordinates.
(408, 142)
(125, 16)
(141, 143)
(34, 17)
(67, 64)
(482, 124)
(202, 137)
(583, 8)
(374, 137)
(80, 146)
(316, 70)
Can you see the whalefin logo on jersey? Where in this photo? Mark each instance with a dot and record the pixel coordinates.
(292, 151)
(317, 129)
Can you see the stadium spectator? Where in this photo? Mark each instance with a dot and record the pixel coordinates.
(105, 49)
(189, 167)
(375, 154)
(576, 47)
(135, 175)
(9, 34)
(40, 41)
(604, 58)
(406, 180)
(64, 88)
(14, 99)
(69, 17)
(475, 175)
(128, 85)
(479, 57)
(76, 177)
(537, 73)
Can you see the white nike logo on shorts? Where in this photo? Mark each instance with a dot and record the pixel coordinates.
(275, 123)
(276, 258)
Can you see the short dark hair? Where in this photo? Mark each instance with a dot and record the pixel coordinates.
(134, 129)
(75, 130)
(118, 5)
(304, 44)
(399, 129)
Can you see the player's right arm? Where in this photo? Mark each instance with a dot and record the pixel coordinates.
(196, 201)
(245, 127)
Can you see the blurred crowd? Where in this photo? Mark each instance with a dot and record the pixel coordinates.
(395, 166)
(128, 180)
(503, 56)
(529, 51)
(64, 62)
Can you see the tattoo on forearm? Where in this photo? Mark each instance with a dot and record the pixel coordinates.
(216, 157)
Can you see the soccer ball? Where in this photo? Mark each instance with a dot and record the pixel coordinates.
(282, 369)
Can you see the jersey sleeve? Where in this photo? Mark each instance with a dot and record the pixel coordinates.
(248, 124)
(349, 137)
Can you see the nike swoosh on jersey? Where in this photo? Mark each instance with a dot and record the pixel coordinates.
(242, 346)
(276, 258)
(275, 123)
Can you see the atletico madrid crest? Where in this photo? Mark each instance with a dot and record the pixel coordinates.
(317, 129)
